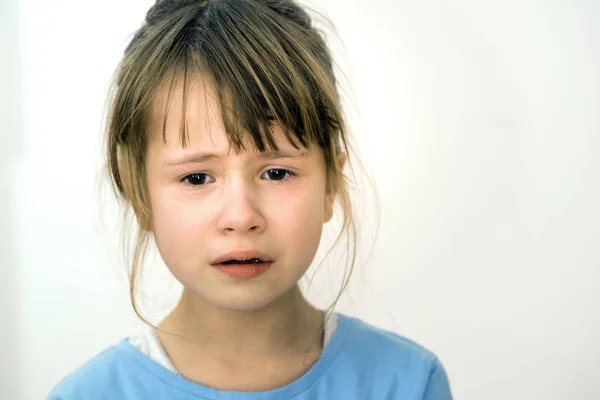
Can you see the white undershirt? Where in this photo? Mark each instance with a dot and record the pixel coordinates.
(148, 343)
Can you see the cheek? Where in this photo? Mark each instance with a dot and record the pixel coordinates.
(183, 227)
(178, 228)
(299, 211)
(298, 219)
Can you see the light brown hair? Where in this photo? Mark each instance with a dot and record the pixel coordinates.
(265, 60)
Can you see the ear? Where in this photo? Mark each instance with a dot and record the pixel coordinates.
(332, 189)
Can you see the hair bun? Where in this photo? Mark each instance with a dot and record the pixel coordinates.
(162, 8)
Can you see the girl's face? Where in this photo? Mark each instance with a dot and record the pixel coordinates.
(208, 201)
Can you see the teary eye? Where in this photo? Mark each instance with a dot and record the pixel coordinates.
(278, 174)
(196, 179)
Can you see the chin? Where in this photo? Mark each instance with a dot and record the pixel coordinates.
(242, 299)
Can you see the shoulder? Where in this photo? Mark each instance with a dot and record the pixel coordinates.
(98, 378)
(370, 341)
(386, 356)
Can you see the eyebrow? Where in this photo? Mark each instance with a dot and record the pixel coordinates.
(205, 157)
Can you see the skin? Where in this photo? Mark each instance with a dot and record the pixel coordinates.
(222, 327)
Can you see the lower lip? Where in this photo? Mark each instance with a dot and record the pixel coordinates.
(243, 271)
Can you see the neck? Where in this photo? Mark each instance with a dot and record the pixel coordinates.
(288, 324)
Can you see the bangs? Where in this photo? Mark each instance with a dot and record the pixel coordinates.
(263, 62)
(261, 70)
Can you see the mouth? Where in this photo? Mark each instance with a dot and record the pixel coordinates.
(243, 257)
(243, 264)
(250, 261)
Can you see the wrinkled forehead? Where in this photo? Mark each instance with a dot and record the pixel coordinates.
(187, 113)
(189, 105)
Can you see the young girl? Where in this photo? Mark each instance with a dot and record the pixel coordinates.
(226, 138)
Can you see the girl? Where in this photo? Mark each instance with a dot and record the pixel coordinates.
(226, 138)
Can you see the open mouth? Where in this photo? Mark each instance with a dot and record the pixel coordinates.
(243, 269)
(250, 261)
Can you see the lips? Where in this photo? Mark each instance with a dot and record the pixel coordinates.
(243, 257)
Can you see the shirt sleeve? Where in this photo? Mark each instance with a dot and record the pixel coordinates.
(438, 387)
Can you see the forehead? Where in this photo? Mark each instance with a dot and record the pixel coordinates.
(199, 114)
(168, 112)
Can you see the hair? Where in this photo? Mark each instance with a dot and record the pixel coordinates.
(265, 60)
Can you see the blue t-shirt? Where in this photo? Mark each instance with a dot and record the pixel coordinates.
(361, 362)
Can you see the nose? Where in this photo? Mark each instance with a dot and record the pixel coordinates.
(240, 211)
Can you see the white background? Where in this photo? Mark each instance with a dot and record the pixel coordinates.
(478, 120)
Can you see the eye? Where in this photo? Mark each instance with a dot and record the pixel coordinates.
(278, 174)
(197, 179)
